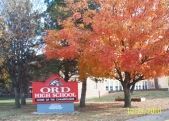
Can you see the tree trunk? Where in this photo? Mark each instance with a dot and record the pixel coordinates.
(156, 83)
(24, 89)
(23, 98)
(83, 94)
(66, 76)
(132, 88)
(66, 70)
(127, 97)
(17, 97)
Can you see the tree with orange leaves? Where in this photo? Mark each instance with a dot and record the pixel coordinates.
(126, 40)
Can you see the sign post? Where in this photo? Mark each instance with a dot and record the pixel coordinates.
(54, 95)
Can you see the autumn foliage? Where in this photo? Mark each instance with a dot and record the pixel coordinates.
(123, 39)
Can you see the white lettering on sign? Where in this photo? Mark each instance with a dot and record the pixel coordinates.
(54, 89)
(42, 95)
(64, 95)
(65, 89)
(45, 90)
(55, 107)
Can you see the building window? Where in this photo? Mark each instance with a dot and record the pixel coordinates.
(107, 88)
(146, 85)
(120, 88)
(116, 88)
(136, 87)
(111, 88)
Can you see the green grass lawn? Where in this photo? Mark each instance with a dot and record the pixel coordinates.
(10, 101)
(112, 111)
(111, 96)
(147, 94)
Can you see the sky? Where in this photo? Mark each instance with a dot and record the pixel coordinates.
(39, 5)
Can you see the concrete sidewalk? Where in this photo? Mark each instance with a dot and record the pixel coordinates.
(164, 116)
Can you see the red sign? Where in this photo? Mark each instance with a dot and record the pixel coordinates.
(54, 89)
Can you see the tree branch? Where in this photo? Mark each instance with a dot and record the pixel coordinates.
(137, 80)
(120, 75)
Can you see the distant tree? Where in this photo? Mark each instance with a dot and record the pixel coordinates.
(57, 11)
(20, 25)
(4, 75)
(60, 50)
(41, 68)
